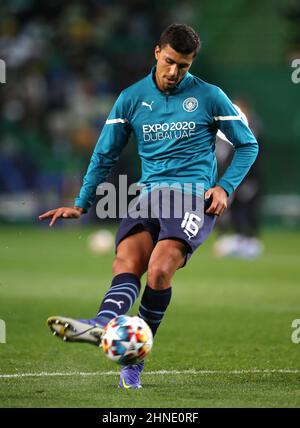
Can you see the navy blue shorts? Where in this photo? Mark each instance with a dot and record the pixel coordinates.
(192, 229)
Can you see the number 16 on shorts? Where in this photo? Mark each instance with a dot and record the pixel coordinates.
(189, 225)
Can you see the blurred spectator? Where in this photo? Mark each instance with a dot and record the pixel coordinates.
(66, 61)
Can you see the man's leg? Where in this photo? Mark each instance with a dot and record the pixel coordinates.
(132, 257)
(167, 256)
(131, 261)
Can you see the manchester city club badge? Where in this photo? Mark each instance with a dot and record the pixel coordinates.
(190, 104)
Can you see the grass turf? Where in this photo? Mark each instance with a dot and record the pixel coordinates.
(225, 315)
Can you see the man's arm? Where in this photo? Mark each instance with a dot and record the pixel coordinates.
(231, 123)
(112, 140)
(229, 120)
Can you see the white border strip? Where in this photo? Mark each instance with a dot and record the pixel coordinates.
(228, 117)
(111, 121)
(158, 372)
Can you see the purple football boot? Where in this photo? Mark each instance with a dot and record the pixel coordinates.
(71, 330)
(130, 376)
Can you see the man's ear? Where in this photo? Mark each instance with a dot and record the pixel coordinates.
(157, 52)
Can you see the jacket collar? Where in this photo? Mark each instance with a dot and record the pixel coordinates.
(183, 84)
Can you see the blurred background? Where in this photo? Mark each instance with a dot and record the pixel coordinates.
(66, 61)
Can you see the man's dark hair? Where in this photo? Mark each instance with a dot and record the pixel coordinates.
(181, 38)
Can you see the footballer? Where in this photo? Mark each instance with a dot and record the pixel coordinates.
(174, 117)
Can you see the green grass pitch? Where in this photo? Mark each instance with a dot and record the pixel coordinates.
(225, 340)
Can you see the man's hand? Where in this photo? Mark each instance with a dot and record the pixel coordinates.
(219, 200)
(64, 212)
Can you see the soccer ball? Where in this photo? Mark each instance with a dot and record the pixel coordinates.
(127, 340)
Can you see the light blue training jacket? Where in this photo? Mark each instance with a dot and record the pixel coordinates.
(175, 135)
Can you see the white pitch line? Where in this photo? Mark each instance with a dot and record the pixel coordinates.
(158, 372)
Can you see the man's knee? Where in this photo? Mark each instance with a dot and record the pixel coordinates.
(164, 263)
(128, 264)
(159, 276)
(133, 254)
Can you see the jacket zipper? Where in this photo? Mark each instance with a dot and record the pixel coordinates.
(166, 102)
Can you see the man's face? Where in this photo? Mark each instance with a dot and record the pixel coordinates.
(171, 67)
